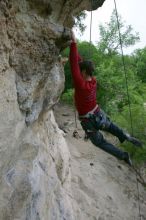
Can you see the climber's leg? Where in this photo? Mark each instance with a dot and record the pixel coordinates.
(98, 140)
(107, 125)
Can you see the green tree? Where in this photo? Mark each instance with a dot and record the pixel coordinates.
(113, 89)
(140, 63)
(109, 35)
(79, 21)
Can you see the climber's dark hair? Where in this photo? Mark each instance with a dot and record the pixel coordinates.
(87, 66)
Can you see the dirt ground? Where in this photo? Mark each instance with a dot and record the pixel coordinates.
(104, 188)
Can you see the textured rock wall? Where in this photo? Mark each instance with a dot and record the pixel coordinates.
(34, 158)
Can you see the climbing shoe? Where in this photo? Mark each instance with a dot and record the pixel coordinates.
(127, 158)
(133, 140)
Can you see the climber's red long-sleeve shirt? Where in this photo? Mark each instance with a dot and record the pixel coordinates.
(85, 91)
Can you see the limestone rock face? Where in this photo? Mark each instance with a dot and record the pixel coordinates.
(34, 158)
(33, 33)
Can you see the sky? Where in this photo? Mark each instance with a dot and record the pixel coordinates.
(133, 12)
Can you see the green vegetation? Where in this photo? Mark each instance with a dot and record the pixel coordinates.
(109, 35)
(79, 22)
(67, 96)
(112, 92)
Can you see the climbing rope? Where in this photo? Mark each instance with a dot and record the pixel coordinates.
(75, 132)
(90, 40)
(91, 25)
(126, 79)
(138, 192)
(124, 67)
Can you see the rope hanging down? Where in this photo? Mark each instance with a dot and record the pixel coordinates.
(126, 79)
(124, 67)
(91, 23)
(90, 38)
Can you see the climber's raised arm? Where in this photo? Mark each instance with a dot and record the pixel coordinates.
(74, 62)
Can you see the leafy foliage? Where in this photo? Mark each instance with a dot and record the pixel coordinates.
(138, 129)
(67, 96)
(109, 35)
(79, 21)
(140, 63)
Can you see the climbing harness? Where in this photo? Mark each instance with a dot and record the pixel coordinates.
(129, 104)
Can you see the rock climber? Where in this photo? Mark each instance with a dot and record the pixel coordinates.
(92, 117)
